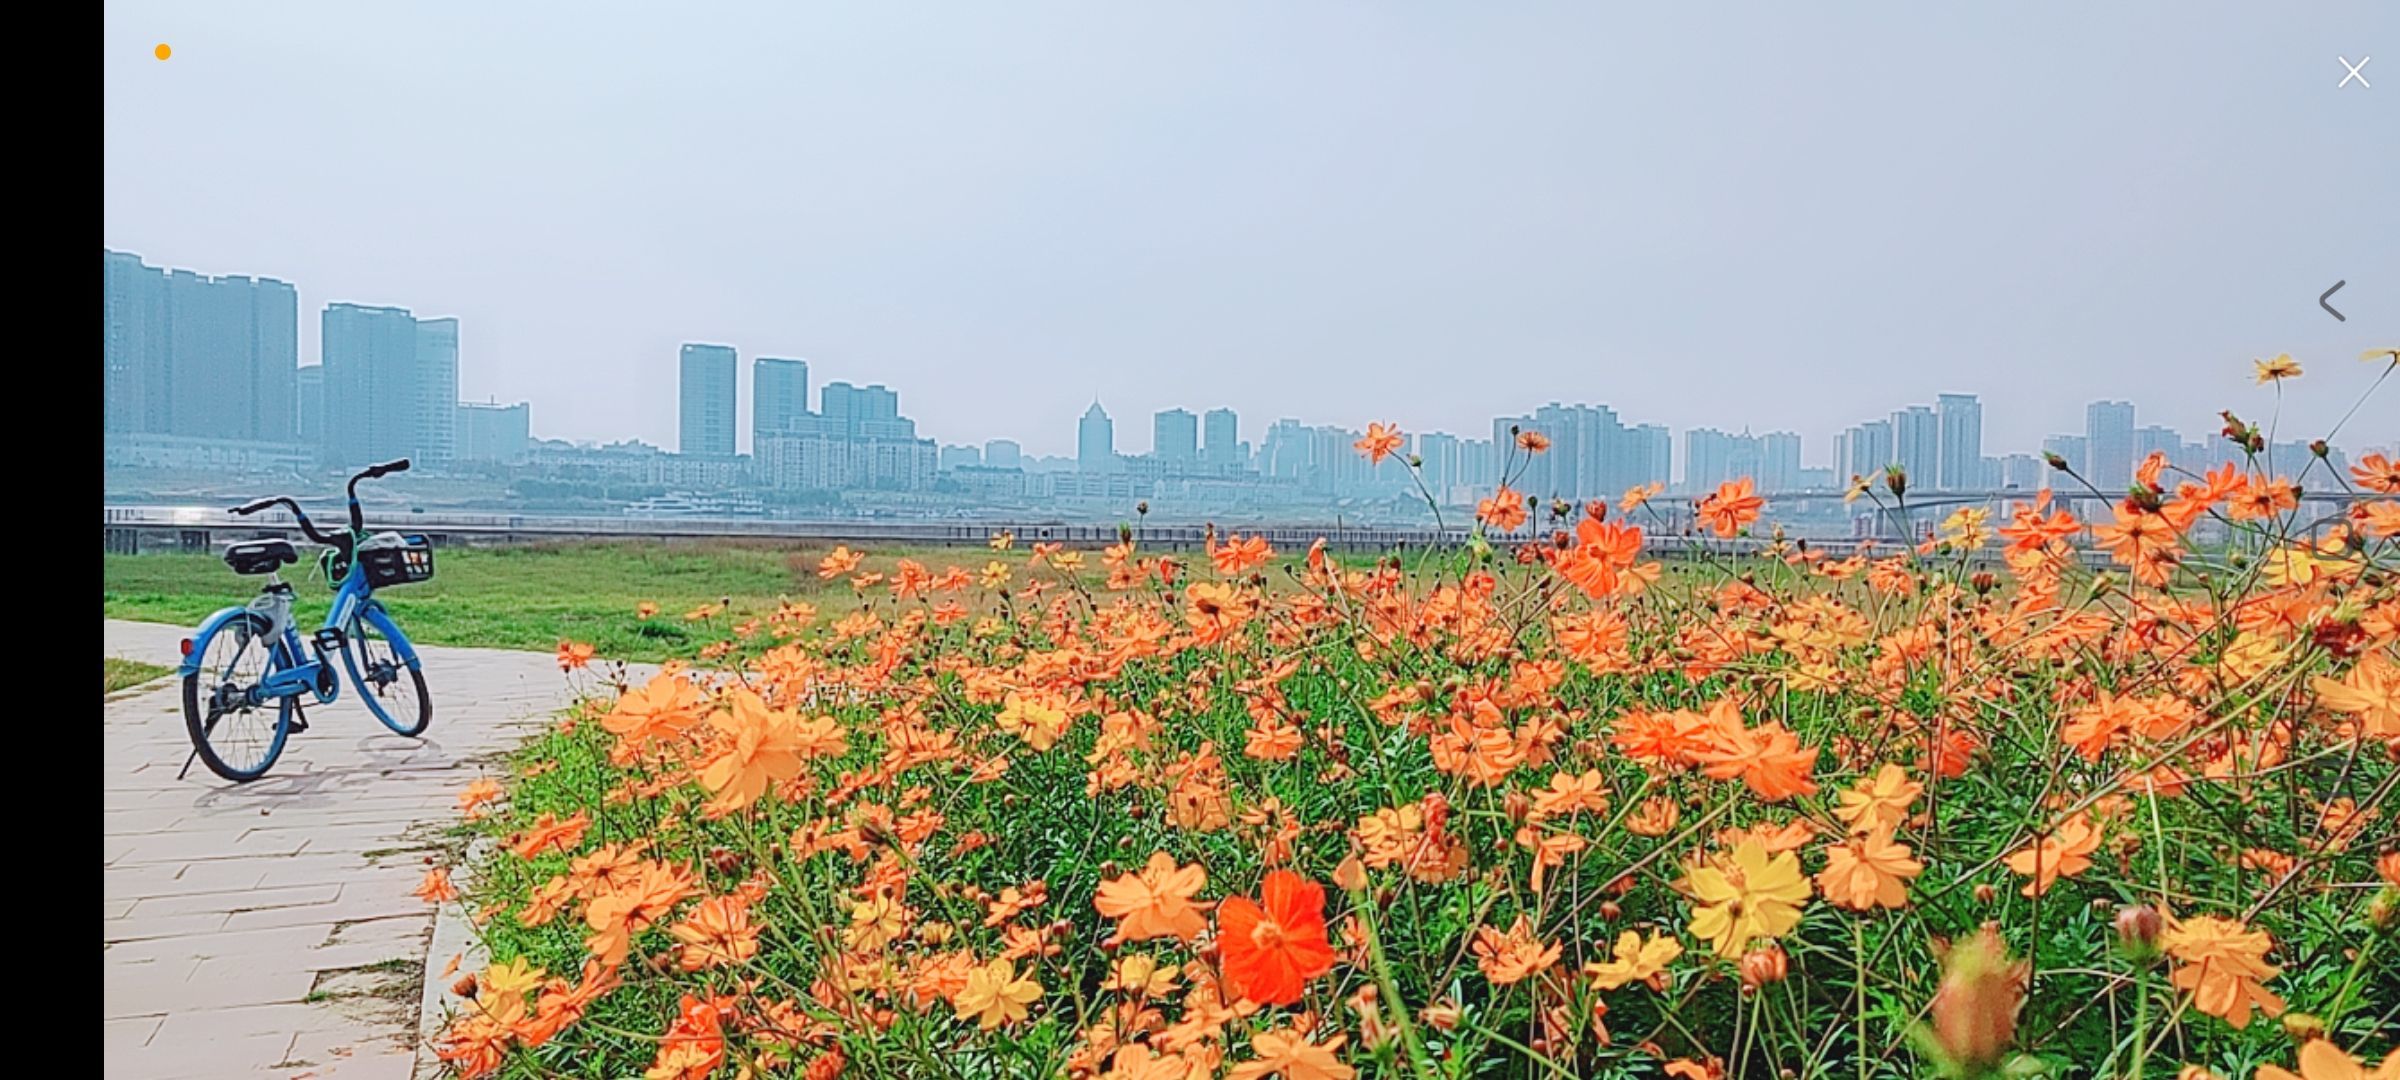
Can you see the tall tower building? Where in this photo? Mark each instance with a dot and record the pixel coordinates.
(437, 389)
(1917, 445)
(2108, 445)
(705, 403)
(1221, 437)
(187, 354)
(1095, 441)
(1175, 437)
(778, 396)
(374, 398)
(1961, 464)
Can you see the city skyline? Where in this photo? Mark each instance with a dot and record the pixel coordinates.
(1385, 216)
(161, 321)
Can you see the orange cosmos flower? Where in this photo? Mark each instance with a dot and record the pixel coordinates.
(760, 746)
(1879, 802)
(1155, 901)
(2375, 472)
(1272, 949)
(2064, 853)
(550, 834)
(1504, 511)
(2276, 370)
(436, 887)
(1768, 758)
(1237, 556)
(694, 1044)
(840, 561)
(2370, 692)
(573, 655)
(1532, 442)
(659, 710)
(1513, 956)
(1382, 441)
(717, 933)
(2321, 1060)
(2222, 965)
(1866, 872)
(1733, 505)
(1287, 1053)
(478, 793)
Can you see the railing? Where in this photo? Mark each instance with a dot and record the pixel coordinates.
(870, 532)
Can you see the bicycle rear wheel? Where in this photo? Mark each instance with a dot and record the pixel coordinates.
(393, 689)
(237, 736)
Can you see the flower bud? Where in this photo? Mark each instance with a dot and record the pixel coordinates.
(2138, 927)
(2302, 1027)
(1985, 893)
(1761, 967)
(1975, 1011)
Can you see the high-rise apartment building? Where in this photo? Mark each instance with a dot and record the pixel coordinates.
(864, 412)
(310, 422)
(1095, 441)
(778, 396)
(496, 433)
(1960, 458)
(374, 392)
(1779, 461)
(437, 390)
(2072, 449)
(191, 355)
(1866, 450)
(1003, 454)
(1917, 445)
(1220, 444)
(705, 400)
(1175, 437)
(2108, 445)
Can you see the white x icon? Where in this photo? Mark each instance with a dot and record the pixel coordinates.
(2354, 73)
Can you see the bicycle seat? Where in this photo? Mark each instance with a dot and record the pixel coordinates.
(260, 556)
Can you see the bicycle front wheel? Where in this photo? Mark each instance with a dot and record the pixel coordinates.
(236, 735)
(392, 687)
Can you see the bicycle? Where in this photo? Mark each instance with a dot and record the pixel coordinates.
(245, 670)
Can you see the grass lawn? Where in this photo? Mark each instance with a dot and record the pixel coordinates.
(531, 597)
(123, 674)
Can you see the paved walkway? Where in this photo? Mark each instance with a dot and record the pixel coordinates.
(267, 929)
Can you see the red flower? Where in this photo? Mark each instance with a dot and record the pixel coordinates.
(1271, 952)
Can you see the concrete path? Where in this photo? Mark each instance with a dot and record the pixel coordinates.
(267, 929)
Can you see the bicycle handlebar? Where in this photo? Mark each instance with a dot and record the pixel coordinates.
(357, 522)
(299, 515)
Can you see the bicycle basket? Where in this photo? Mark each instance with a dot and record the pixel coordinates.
(408, 560)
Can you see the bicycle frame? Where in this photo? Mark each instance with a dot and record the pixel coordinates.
(293, 669)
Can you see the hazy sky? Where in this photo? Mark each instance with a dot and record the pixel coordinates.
(1764, 215)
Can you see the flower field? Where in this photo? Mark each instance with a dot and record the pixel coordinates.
(1530, 806)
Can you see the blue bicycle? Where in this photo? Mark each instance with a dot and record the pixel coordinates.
(246, 670)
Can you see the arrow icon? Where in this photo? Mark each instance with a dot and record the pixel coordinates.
(2337, 287)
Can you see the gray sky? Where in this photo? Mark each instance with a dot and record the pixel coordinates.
(1763, 215)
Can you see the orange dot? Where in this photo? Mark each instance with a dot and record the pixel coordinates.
(163, 51)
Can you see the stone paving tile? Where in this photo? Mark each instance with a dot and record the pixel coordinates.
(225, 905)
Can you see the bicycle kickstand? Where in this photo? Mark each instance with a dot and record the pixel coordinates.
(299, 718)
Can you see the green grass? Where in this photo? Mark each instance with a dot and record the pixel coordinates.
(127, 674)
(531, 597)
(513, 598)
